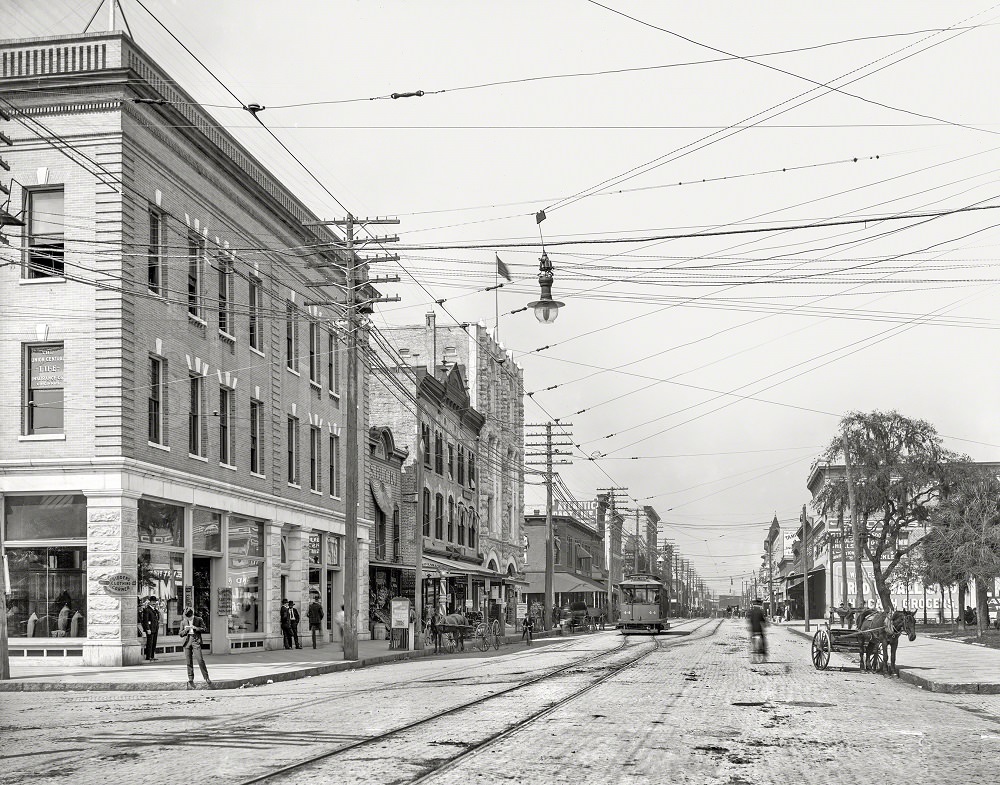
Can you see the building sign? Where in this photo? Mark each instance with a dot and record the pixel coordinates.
(585, 512)
(189, 596)
(225, 605)
(522, 610)
(119, 584)
(332, 551)
(400, 613)
(46, 367)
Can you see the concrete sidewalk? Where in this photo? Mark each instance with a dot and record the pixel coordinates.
(933, 664)
(227, 671)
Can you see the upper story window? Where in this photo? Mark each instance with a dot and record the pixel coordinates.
(43, 390)
(196, 271)
(315, 459)
(472, 470)
(426, 515)
(196, 415)
(256, 304)
(335, 465)
(438, 454)
(314, 353)
(154, 252)
(461, 465)
(425, 444)
(157, 400)
(225, 294)
(227, 433)
(45, 210)
(451, 461)
(292, 451)
(291, 337)
(256, 437)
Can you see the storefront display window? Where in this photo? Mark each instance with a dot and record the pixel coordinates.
(161, 524)
(332, 551)
(206, 530)
(246, 575)
(48, 592)
(45, 517)
(161, 573)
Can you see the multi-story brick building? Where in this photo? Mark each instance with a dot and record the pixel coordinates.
(491, 385)
(174, 422)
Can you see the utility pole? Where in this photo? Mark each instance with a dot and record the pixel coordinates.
(355, 273)
(859, 597)
(418, 532)
(4, 653)
(551, 450)
(805, 564)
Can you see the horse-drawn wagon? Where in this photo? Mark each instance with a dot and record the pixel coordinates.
(456, 628)
(875, 640)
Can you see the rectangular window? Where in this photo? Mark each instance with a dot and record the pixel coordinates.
(314, 353)
(48, 592)
(461, 465)
(225, 294)
(154, 253)
(292, 450)
(438, 454)
(335, 466)
(335, 384)
(196, 266)
(227, 434)
(157, 400)
(291, 337)
(256, 431)
(43, 389)
(196, 415)
(45, 232)
(425, 444)
(48, 517)
(451, 461)
(315, 462)
(255, 309)
(331, 352)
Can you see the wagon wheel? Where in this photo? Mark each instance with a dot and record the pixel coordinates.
(495, 633)
(821, 649)
(481, 637)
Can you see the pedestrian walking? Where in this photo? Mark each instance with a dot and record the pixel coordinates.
(315, 614)
(757, 619)
(339, 619)
(293, 624)
(192, 628)
(149, 619)
(527, 629)
(286, 632)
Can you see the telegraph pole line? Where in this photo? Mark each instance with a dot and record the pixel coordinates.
(355, 272)
(552, 455)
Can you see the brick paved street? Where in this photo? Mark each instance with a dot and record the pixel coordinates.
(694, 711)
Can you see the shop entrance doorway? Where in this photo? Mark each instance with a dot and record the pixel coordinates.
(201, 581)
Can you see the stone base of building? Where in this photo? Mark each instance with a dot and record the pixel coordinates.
(112, 654)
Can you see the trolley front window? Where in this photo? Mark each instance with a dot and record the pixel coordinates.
(643, 595)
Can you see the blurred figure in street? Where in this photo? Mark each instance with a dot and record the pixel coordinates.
(339, 619)
(757, 620)
(192, 628)
(315, 614)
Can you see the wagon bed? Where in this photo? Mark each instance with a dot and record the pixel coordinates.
(829, 639)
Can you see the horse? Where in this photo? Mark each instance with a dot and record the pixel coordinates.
(878, 628)
(449, 626)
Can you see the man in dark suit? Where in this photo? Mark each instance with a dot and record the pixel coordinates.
(286, 632)
(293, 624)
(150, 620)
(192, 628)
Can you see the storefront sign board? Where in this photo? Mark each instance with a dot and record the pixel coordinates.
(189, 596)
(225, 604)
(400, 613)
(522, 610)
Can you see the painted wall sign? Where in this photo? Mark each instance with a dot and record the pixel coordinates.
(119, 584)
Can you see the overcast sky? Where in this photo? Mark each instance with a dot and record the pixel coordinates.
(710, 371)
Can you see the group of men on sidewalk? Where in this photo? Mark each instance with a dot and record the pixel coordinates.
(290, 618)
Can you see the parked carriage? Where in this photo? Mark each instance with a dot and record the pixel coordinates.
(456, 629)
(874, 640)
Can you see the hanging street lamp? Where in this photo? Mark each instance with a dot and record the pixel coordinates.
(546, 309)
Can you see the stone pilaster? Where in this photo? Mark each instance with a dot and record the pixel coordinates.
(297, 545)
(272, 590)
(112, 540)
(364, 633)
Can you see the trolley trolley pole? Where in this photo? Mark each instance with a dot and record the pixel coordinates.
(548, 458)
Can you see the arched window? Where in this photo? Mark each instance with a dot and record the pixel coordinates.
(472, 529)
(451, 519)
(461, 525)
(427, 512)
(439, 516)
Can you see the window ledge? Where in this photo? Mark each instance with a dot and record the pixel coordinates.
(315, 492)
(43, 437)
(43, 279)
(333, 496)
(258, 476)
(156, 293)
(292, 371)
(315, 385)
(228, 466)
(157, 446)
(227, 337)
(201, 458)
(294, 485)
(255, 350)
(196, 319)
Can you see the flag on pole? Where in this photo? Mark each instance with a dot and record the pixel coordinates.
(502, 269)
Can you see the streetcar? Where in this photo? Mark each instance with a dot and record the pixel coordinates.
(645, 605)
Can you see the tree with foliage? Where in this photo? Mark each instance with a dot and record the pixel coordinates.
(966, 533)
(937, 563)
(898, 467)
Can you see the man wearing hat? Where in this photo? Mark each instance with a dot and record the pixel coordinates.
(192, 628)
(149, 618)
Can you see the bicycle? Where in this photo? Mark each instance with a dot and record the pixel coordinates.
(495, 633)
(757, 654)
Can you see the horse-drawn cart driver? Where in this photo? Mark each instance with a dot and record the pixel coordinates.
(846, 612)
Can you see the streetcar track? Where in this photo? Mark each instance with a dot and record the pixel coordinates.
(473, 748)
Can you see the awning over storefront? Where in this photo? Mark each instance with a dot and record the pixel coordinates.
(429, 570)
(565, 583)
(461, 568)
(794, 579)
(382, 496)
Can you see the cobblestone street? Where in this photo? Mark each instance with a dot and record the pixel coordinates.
(693, 710)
